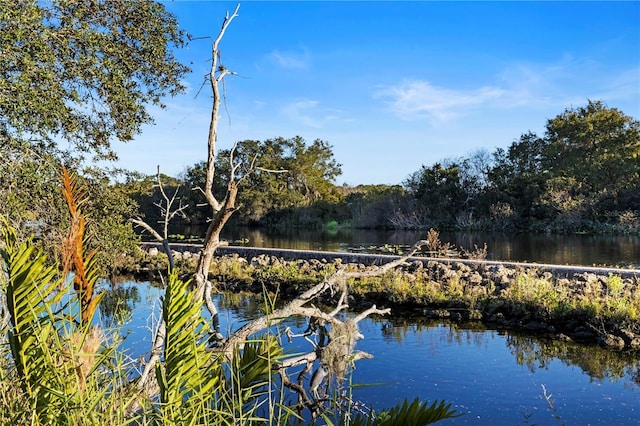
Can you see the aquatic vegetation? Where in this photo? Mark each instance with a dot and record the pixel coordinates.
(511, 296)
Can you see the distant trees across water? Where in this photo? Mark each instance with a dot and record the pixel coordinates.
(582, 175)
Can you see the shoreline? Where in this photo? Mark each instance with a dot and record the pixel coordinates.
(379, 259)
(587, 304)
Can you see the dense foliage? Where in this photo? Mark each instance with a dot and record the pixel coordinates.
(84, 72)
(290, 175)
(583, 175)
(74, 78)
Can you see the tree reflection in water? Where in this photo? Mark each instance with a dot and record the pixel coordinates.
(531, 351)
(599, 363)
(118, 303)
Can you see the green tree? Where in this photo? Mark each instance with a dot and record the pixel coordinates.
(84, 72)
(75, 77)
(439, 190)
(597, 146)
(593, 162)
(278, 174)
(517, 178)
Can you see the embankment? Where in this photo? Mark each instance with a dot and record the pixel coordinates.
(569, 302)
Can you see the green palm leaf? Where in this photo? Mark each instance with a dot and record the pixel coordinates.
(416, 413)
(32, 297)
(190, 374)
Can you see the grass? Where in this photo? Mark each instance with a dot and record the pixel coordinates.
(520, 294)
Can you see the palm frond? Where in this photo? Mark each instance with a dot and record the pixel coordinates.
(416, 413)
(190, 373)
(32, 299)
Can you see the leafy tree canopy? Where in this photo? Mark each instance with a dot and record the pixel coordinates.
(597, 146)
(584, 171)
(290, 174)
(84, 71)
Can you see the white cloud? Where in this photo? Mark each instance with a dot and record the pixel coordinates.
(418, 99)
(290, 60)
(521, 85)
(309, 113)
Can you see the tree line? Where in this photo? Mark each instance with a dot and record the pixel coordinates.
(582, 175)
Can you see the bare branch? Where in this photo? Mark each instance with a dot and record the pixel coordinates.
(233, 167)
(372, 310)
(262, 169)
(296, 306)
(225, 25)
(137, 221)
(216, 74)
(156, 351)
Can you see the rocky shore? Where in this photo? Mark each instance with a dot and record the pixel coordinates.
(569, 303)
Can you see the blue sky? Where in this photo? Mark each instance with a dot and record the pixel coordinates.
(393, 85)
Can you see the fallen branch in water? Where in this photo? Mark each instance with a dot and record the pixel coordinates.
(335, 350)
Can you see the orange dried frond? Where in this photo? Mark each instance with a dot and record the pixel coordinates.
(72, 191)
(73, 247)
(67, 191)
(67, 253)
(90, 308)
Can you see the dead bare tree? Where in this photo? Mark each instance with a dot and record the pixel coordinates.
(169, 212)
(335, 348)
(221, 211)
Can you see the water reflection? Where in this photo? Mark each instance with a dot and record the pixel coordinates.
(397, 329)
(495, 376)
(610, 250)
(118, 303)
(532, 352)
(600, 364)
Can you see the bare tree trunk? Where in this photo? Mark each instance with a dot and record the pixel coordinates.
(221, 211)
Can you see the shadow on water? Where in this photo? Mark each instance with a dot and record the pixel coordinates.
(494, 376)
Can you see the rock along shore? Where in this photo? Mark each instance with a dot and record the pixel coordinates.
(511, 294)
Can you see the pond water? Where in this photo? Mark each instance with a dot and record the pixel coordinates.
(495, 377)
(588, 250)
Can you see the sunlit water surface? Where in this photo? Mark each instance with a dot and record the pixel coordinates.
(493, 377)
(599, 250)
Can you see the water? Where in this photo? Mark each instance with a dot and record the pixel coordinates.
(495, 377)
(588, 250)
